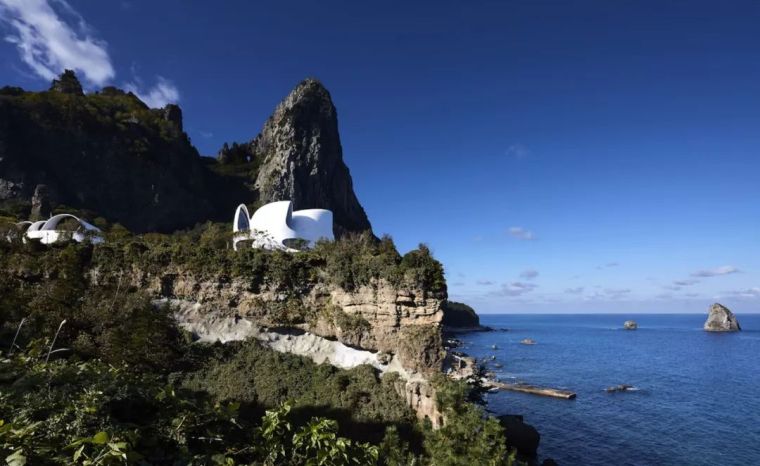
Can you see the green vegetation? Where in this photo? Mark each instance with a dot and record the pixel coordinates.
(459, 315)
(91, 372)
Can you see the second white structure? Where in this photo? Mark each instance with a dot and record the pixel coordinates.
(277, 226)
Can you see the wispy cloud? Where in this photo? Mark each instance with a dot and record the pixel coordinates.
(521, 233)
(751, 293)
(51, 36)
(529, 274)
(616, 293)
(687, 282)
(517, 151)
(485, 282)
(162, 93)
(722, 270)
(50, 40)
(576, 290)
(516, 288)
(609, 293)
(608, 265)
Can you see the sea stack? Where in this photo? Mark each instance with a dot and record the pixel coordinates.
(630, 325)
(720, 319)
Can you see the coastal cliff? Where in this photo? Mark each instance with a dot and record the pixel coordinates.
(347, 331)
(379, 307)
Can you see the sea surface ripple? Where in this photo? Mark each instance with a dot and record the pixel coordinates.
(697, 401)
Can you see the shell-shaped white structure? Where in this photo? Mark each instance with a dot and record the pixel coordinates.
(48, 233)
(277, 226)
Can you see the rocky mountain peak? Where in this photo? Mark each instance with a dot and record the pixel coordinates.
(67, 83)
(302, 158)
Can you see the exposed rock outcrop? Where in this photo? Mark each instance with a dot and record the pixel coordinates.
(630, 325)
(41, 203)
(721, 319)
(302, 158)
(400, 327)
(67, 83)
(377, 318)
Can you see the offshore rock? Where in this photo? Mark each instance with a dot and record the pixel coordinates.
(630, 325)
(720, 319)
(302, 158)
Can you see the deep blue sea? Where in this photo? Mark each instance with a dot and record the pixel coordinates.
(699, 393)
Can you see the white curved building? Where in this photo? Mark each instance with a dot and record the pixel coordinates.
(47, 230)
(277, 226)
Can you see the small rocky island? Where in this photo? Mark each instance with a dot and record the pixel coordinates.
(630, 325)
(721, 319)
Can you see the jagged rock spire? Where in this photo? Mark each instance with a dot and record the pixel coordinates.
(302, 158)
(67, 83)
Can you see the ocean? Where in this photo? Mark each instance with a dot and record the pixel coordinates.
(698, 393)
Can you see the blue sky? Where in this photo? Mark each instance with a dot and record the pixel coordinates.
(586, 156)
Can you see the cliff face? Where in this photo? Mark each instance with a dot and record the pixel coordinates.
(381, 318)
(107, 154)
(396, 330)
(301, 158)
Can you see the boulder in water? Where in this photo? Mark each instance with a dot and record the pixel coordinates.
(630, 325)
(620, 388)
(721, 319)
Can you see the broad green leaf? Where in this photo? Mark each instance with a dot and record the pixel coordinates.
(16, 458)
(101, 438)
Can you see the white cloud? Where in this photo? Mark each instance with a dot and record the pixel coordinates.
(608, 265)
(616, 293)
(485, 282)
(521, 233)
(687, 282)
(516, 288)
(576, 290)
(529, 274)
(609, 293)
(49, 43)
(164, 92)
(722, 270)
(753, 292)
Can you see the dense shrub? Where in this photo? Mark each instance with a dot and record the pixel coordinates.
(459, 315)
(364, 403)
(96, 414)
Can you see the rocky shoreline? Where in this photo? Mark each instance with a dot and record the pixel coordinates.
(522, 436)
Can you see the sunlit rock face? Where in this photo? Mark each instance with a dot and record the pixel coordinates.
(302, 158)
(721, 319)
